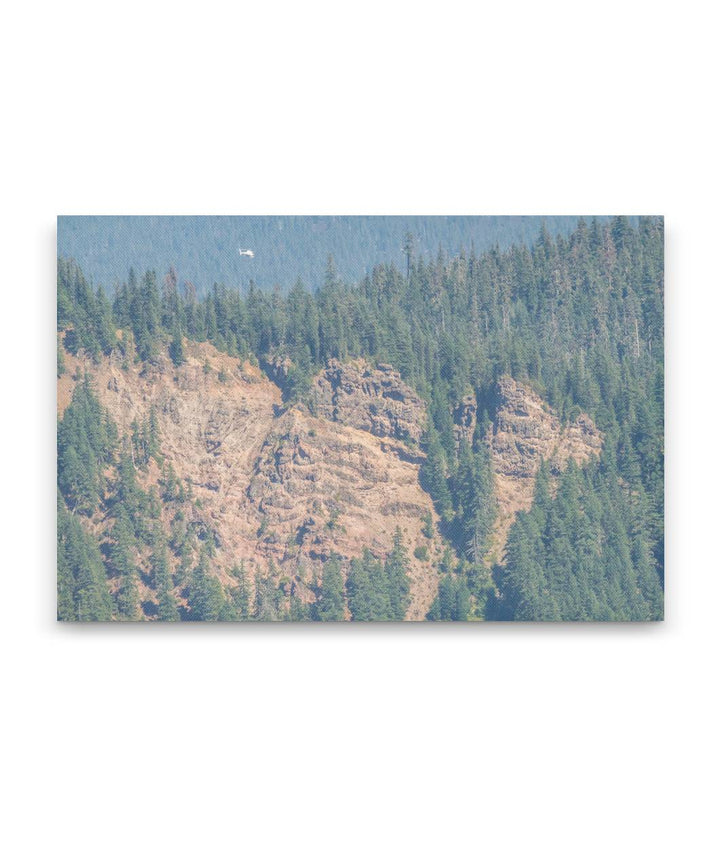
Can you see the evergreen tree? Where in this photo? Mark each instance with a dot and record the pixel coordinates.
(177, 348)
(205, 594)
(580, 318)
(240, 594)
(396, 570)
(330, 601)
(82, 591)
(433, 475)
(122, 565)
(162, 581)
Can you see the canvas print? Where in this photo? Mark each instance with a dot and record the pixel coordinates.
(360, 418)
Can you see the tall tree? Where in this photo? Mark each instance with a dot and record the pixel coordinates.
(330, 602)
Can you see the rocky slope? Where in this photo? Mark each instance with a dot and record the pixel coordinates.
(371, 399)
(275, 483)
(295, 485)
(523, 432)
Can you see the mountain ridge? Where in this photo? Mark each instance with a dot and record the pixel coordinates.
(285, 248)
(420, 357)
(296, 485)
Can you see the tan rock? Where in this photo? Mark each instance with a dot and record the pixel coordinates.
(275, 483)
(525, 431)
(371, 399)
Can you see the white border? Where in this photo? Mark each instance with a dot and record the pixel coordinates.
(509, 739)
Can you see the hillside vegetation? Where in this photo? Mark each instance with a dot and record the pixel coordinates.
(205, 250)
(515, 396)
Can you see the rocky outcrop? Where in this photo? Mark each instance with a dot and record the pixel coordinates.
(275, 483)
(370, 399)
(320, 488)
(277, 367)
(525, 431)
(299, 484)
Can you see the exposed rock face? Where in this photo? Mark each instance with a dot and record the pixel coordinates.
(525, 431)
(276, 483)
(323, 488)
(296, 487)
(278, 367)
(374, 400)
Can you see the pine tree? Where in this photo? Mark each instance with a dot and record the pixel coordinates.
(60, 359)
(408, 249)
(433, 475)
(167, 605)
(578, 317)
(330, 603)
(396, 570)
(177, 348)
(82, 591)
(205, 594)
(240, 594)
(123, 567)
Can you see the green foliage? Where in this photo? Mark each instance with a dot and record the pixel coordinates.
(60, 359)
(177, 348)
(474, 500)
(122, 565)
(379, 591)
(453, 600)
(329, 605)
(85, 315)
(579, 317)
(145, 440)
(583, 555)
(396, 568)
(205, 594)
(204, 248)
(162, 580)
(268, 597)
(299, 609)
(428, 529)
(96, 480)
(433, 475)
(83, 594)
(240, 593)
(85, 439)
(367, 586)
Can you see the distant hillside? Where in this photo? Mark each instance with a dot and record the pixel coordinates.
(204, 250)
(470, 439)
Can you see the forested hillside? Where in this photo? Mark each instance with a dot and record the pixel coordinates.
(204, 250)
(576, 323)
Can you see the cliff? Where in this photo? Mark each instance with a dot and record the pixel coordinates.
(295, 485)
(370, 399)
(523, 432)
(275, 483)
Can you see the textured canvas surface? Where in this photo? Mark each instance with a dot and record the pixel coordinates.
(360, 418)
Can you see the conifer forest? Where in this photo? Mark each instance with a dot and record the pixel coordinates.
(469, 428)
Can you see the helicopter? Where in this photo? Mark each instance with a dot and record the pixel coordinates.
(248, 253)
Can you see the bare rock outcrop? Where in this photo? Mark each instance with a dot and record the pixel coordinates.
(275, 483)
(299, 484)
(370, 399)
(525, 431)
(320, 488)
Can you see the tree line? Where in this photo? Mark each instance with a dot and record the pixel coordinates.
(579, 318)
(116, 559)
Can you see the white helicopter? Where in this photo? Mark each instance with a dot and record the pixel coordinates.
(249, 253)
